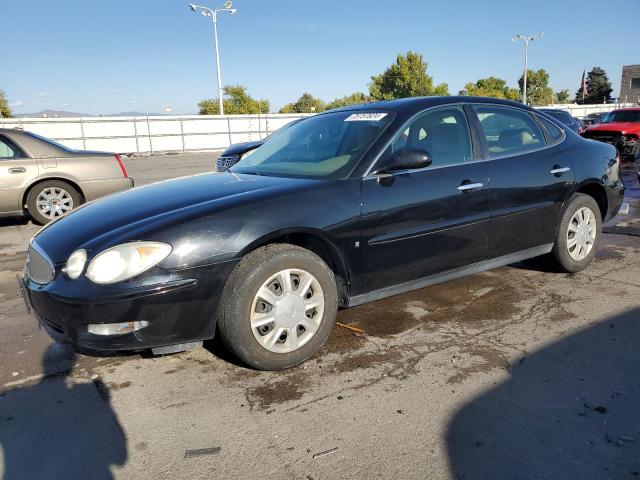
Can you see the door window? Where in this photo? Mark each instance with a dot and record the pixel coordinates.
(443, 133)
(509, 131)
(9, 150)
(554, 132)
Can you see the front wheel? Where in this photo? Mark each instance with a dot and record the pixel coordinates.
(278, 307)
(578, 234)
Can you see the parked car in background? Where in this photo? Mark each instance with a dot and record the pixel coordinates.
(47, 180)
(238, 151)
(594, 118)
(564, 117)
(344, 208)
(621, 128)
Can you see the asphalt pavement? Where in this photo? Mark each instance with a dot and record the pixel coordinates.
(514, 373)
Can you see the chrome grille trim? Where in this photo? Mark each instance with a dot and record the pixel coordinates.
(40, 268)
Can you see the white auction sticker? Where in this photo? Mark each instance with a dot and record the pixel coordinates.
(365, 117)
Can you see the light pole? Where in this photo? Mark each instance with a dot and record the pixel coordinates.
(527, 39)
(213, 13)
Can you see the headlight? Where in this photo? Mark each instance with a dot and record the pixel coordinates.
(75, 264)
(125, 261)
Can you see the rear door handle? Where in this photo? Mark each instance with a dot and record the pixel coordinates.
(467, 187)
(559, 170)
(17, 170)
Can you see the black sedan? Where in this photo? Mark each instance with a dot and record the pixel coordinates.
(347, 207)
(238, 151)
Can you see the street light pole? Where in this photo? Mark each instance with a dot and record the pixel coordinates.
(527, 39)
(213, 13)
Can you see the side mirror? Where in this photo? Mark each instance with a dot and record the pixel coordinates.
(406, 159)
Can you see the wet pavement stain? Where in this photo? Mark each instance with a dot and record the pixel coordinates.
(291, 387)
(490, 359)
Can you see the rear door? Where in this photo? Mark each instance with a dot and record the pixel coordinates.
(17, 170)
(530, 176)
(420, 222)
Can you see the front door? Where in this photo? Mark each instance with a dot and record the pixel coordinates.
(530, 178)
(17, 170)
(420, 222)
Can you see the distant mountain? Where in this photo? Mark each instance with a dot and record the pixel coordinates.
(52, 114)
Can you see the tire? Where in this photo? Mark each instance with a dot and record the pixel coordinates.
(66, 196)
(563, 255)
(241, 305)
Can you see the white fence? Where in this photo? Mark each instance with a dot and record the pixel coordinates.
(181, 133)
(580, 111)
(153, 134)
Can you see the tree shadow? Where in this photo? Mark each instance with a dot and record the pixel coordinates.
(57, 429)
(570, 410)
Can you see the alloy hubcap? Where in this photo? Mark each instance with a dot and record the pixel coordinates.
(287, 310)
(54, 202)
(581, 233)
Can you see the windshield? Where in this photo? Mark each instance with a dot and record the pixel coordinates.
(623, 116)
(325, 146)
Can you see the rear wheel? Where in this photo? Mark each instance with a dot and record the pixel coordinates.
(578, 234)
(51, 199)
(278, 307)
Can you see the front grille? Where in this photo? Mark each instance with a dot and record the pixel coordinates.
(39, 268)
(225, 162)
(603, 136)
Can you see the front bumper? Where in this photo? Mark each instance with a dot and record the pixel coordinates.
(180, 307)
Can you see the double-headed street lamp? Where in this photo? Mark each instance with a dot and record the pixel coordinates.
(213, 13)
(527, 39)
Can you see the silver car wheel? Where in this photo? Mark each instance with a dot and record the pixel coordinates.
(581, 234)
(287, 310)
(54, 202)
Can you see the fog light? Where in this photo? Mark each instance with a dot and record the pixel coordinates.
(116, 328)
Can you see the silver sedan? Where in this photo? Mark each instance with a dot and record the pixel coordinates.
(47, 180)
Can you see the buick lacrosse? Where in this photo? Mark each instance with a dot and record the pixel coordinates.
(345, 207)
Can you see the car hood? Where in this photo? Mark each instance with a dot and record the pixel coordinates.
(240, 148)
(135, 213)
(623, 127)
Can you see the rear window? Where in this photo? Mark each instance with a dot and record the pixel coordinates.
(49, 141)
(554, 132)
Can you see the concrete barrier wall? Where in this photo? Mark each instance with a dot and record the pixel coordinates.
(181, 133)
(153, 134)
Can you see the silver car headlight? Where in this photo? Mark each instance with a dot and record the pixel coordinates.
(125, 261)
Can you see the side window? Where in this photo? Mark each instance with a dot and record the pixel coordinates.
(509, 131)
(443, 133)
(9, 150)
(554, 132)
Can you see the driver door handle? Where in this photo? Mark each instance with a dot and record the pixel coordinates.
(17, 170)
(467, 187)
(559, 170)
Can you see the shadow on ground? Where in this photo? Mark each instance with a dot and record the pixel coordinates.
(570, 410)
(56, 429)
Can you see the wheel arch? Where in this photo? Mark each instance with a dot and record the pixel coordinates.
(317, 242)
(596, 191)
(38, 181)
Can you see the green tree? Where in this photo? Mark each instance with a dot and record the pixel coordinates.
(538, 90)
(353, 99)
(491, 87)
(598, 88)
(236, 101)
(307, 103)
(5, 111)
(563, 96)
(405, 78)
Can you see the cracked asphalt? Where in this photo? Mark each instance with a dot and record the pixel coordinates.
(515, 373)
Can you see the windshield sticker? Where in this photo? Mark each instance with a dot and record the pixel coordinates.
(365, 117)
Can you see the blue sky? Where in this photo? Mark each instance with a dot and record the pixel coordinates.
(111, 56)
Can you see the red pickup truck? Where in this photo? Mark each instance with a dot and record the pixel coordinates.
(621, 128)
